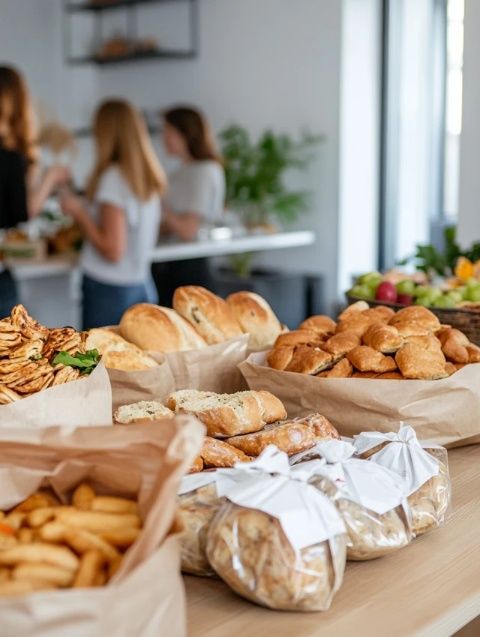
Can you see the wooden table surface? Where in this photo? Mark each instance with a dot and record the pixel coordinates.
(430, 588)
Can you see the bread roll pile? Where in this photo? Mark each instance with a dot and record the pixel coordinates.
(374, 343)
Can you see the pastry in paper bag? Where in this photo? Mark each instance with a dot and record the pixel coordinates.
(370, 498)
(277, 540)
(424, 468)
(148, 579)
(442, 411)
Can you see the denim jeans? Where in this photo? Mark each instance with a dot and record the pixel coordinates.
(8, 294)
(104, 304)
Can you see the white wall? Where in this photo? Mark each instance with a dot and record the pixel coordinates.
(469, 208)
(359, 139)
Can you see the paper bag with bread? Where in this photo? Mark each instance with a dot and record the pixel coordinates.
(79, 542)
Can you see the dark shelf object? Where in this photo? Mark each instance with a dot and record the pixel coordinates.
(81, 7)
(131, 35)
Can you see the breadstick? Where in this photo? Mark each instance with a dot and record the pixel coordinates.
(26, 536)
(36, 501)
(121, 538)
(44, 573)
(90, 565)
(39, 517)
(15, 519)
(109, 504)
(40, 552)
(96, 521)
(83, 496)
(7, 542)
(4, 575)
(82, 541)
(23, 587)
(100, 579)
(52, 532)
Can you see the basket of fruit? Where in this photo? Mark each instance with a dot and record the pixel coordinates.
(456, 301)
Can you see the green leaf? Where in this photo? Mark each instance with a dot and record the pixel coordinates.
(85, 362)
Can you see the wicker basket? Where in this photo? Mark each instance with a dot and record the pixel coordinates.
(465, 320)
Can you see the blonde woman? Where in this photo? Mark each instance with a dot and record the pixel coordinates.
(122, 224)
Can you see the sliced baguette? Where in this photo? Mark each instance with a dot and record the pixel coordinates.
(143, 410)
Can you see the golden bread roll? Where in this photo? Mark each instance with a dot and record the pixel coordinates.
(280, 357)
(298, 337)
(255, 317)
(357, 323)
(418, 363)
(158, 329)
(341, 344)
(383, 338)
(380, 313)
(417, 314)
(210, 315)
(320, 324)
(218, 453)
(197, 465)
(366, 359)
(342, 369)
(353, 309)
(309, 360)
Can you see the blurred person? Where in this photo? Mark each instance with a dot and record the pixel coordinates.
(195, 196)
(23, 187)
(122, 217)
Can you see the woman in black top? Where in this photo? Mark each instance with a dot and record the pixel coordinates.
(22, 194)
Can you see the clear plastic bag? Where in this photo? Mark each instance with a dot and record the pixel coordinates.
(370, 535)
(250, 551)
(197, 509)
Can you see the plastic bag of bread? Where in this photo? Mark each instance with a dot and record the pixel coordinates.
(423, 466)
(277, 540)
(370, 498)
(198, 503)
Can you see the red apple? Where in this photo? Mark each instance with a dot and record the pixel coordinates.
(405, 299)
(386, 292)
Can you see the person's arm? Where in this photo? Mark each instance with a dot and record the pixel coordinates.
(109, 237)
(185, 226)
(39, 192)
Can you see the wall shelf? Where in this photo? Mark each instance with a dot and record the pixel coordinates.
(135, 57)
(83, 7)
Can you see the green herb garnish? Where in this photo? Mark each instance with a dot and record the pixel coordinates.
(86, 363)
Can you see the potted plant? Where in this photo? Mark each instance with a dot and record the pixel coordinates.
(258, 194)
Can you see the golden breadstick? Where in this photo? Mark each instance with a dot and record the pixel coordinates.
(7, 541)
(26, 536)
(15, 519)
(109, 504)
(52, 532)
(23, 587)
(82, 541)
(4, 575)
(96, 521)
(44, 573)
(121, 538)
(90, 565)
(40, 552)
(36, 501)
(39, 517)
(100, 579)
(83, 496)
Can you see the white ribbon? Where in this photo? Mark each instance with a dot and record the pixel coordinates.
(404, 455)
(267, 484)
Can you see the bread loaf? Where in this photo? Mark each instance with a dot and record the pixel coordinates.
(228, 414)
(143, 410)
(255, 317)
(217, 453)
(118, 353)
(210, 315)
(158, 329)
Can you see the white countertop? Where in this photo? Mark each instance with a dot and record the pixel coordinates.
(26, 270)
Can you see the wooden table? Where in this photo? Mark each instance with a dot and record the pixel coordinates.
(429, 589)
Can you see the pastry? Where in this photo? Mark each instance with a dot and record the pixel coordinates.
(218, 453)
(309, 360)
(409, 329)
(210, 315)
(421, 364)
(249, 550)
(450, 368)
(419, 315)
(380, 313)
(298, 337)
(255, 317)
(280, 357)
(454, 345)
(158, 329)
(473, 353)
(342, 369)
(319, 324)
(428, 341)
(340, 344)
(292, 436)
(196, 466)
(358, 323)
(143, 410)
(366, 359)
(353, 309)
(383, 338)
(228, 414)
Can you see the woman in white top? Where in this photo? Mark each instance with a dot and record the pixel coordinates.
(121, 227)
(195, 196)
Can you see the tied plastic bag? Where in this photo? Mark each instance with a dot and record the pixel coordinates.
(423, 466)
(198, 504)
(370, 498)
(277, 540)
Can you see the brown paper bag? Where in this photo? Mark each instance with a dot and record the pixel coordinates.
(213, 368)
(145, 598)
(150, 384)
(446, 412)
(83, 402)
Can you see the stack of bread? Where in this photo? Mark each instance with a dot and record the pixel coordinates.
(374, 343)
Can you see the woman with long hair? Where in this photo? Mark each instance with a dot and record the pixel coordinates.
(23, 189)
(124, 192)
(195, 195)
